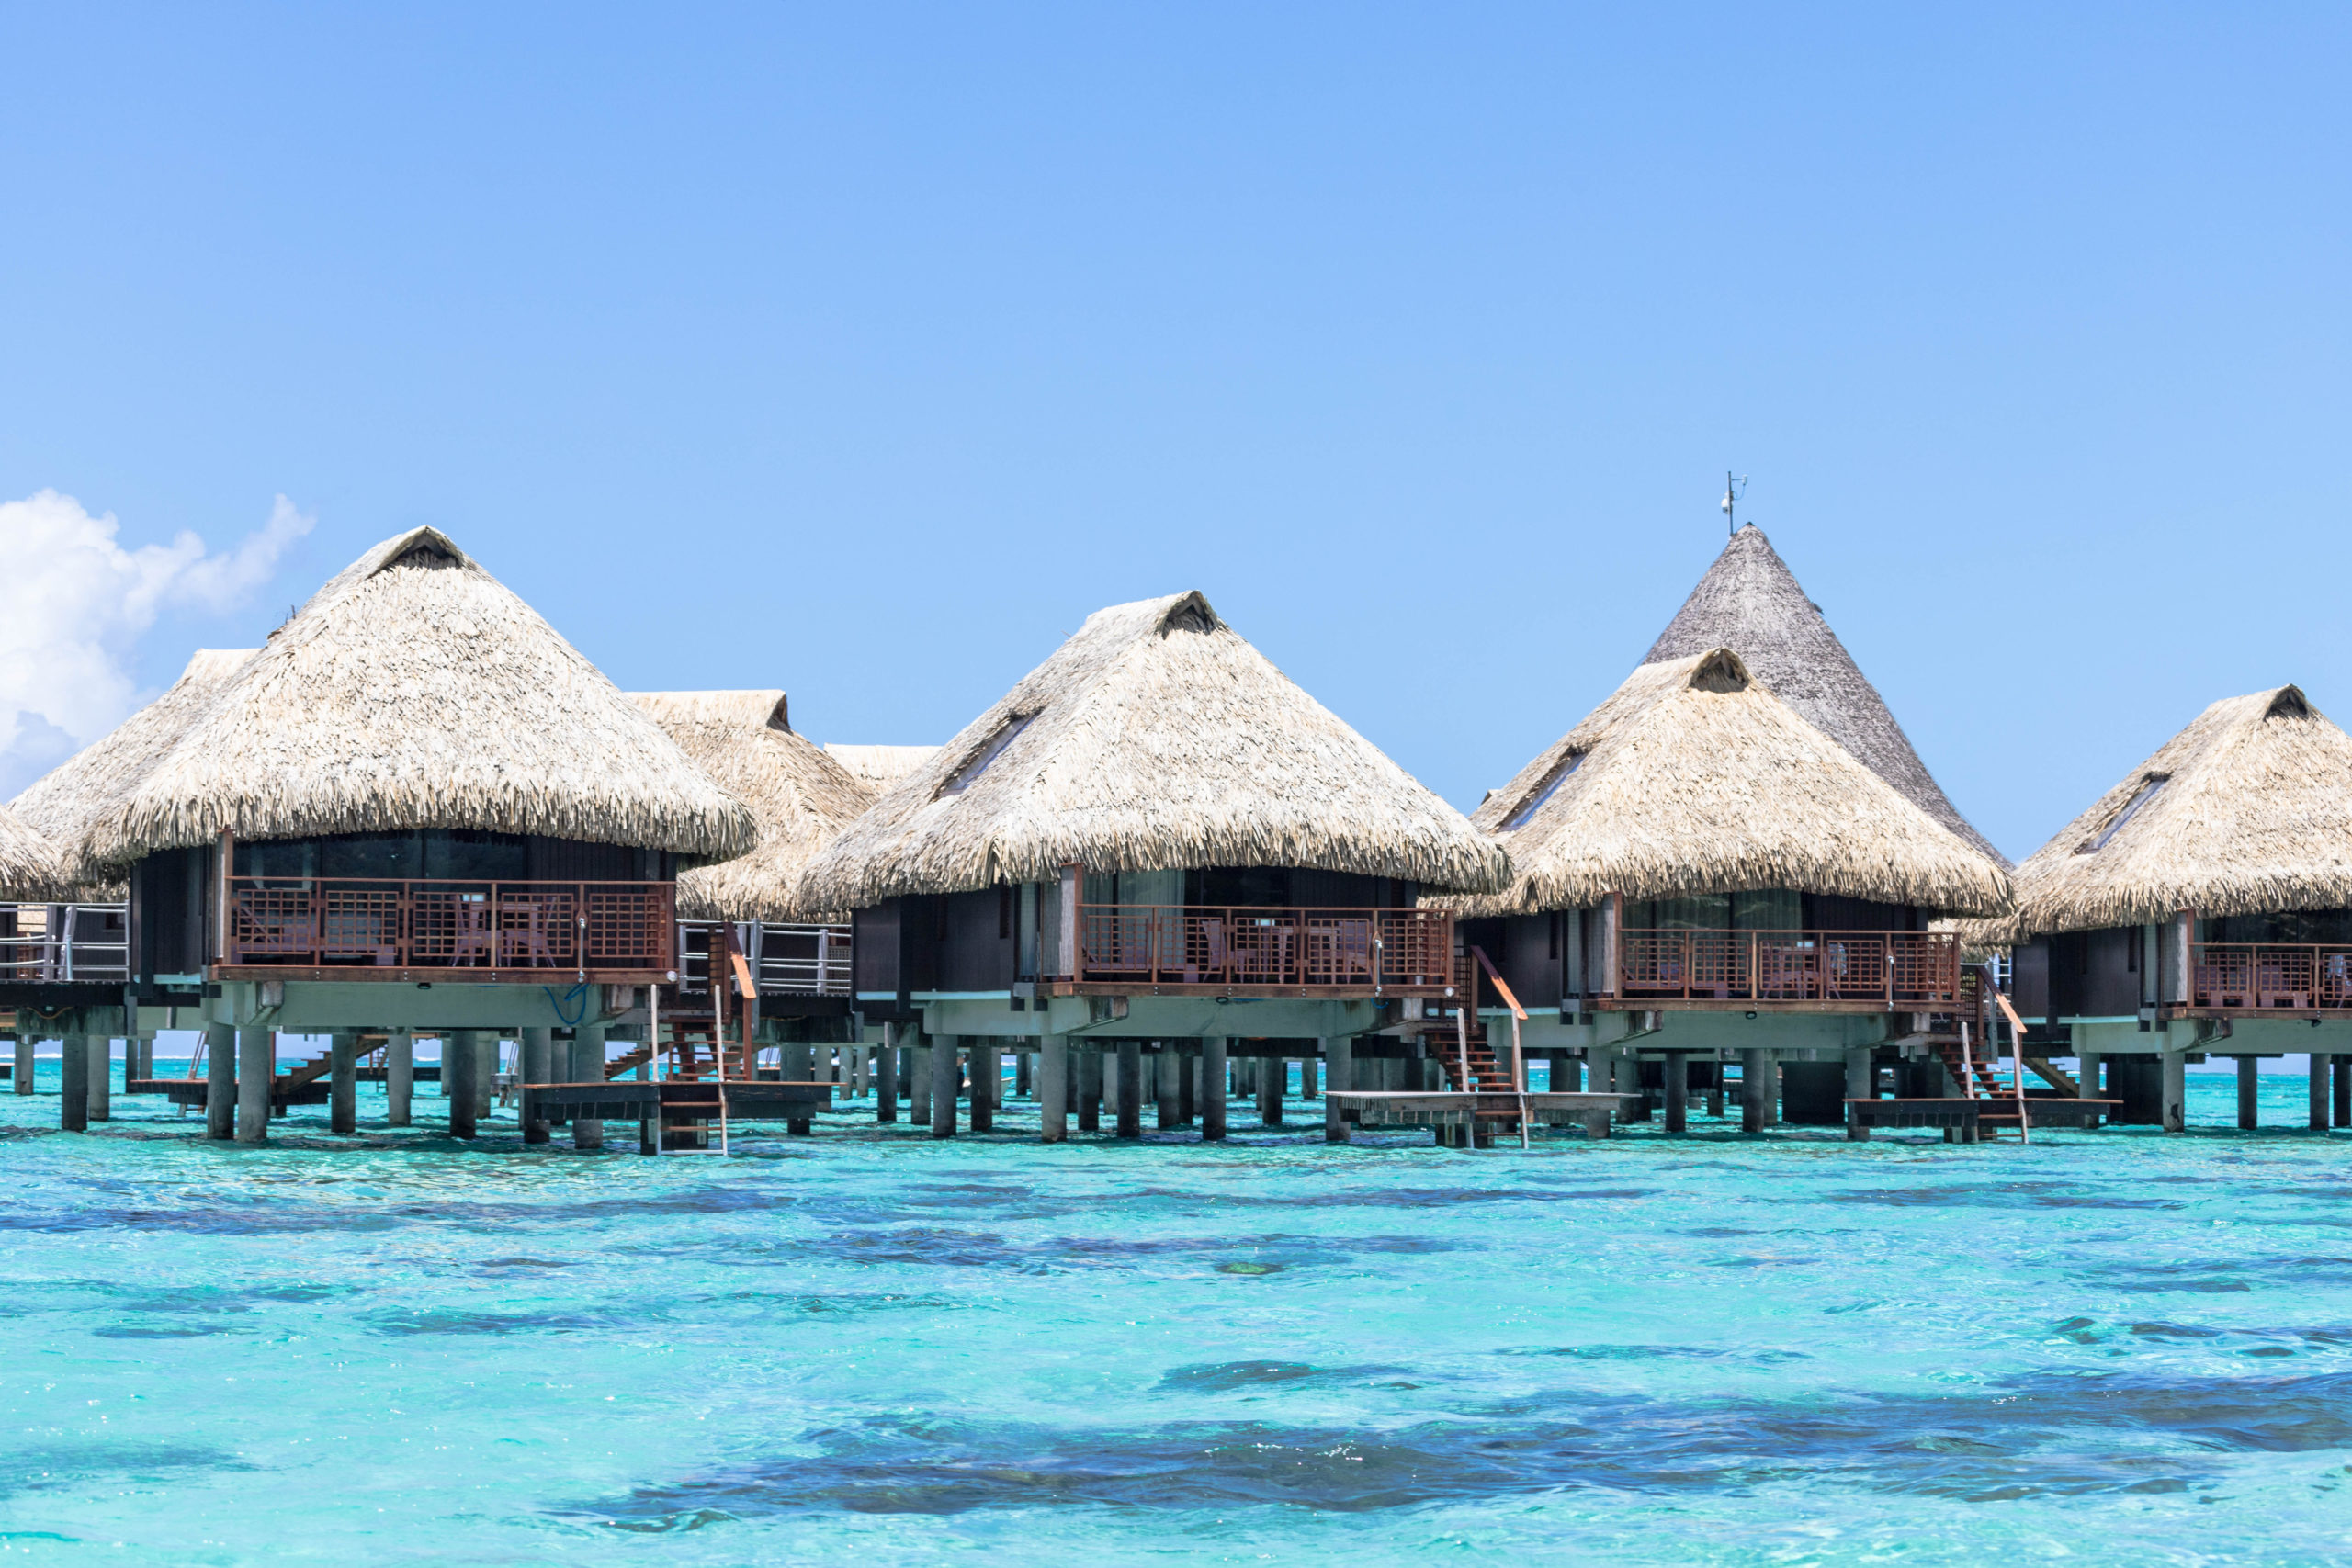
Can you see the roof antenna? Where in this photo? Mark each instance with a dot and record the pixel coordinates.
(1734, 486)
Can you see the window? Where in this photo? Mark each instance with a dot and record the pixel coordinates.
(2147, 793)
(1543, 792)
(963, 777)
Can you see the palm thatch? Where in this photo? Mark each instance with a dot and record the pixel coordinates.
(416, 691)
(1693, 778)
(879, 767)
(1750, 603)
(31, 870)
(800, 796)
(68, 801)
(2247, 811)
(1155, 739)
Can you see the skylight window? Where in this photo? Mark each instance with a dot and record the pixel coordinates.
(2147, 793)
(964, 777)
(1526, 809)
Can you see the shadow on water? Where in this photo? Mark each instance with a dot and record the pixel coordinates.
(1231, 1376)
(2046, 1435)
(77, 1467)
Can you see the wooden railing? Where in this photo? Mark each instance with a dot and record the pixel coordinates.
(2299, 976)
(1918, 970)
(1364, 951)
(493, 927)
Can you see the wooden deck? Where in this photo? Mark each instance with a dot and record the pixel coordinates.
(1973, 1118)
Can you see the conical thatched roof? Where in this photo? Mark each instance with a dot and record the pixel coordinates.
(31, 870)
(879, 767)
(68, 800)
(800, 796)
(1156, 739)
(415, 690)
(1693, 778)
(2254, 813)
(1750, 603)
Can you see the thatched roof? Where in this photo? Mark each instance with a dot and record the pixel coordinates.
(879, 767)
(800, 796)
(68, 800)
(31, 870)
(1750, 603)
(1693, 778)
(2254, 813)
(416, 691)
(1155, 739)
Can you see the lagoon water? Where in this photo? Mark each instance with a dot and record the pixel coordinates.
(868, 1347)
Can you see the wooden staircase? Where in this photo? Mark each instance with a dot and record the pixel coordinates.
(1960, 1052)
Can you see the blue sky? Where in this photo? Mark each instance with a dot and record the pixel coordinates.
(863, 350)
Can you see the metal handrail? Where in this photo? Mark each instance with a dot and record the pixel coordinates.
(58, 953)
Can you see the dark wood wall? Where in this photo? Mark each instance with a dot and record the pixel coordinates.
(2094, 973)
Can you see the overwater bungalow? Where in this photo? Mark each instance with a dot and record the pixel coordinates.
(2202, 905)
(416, 807)
(1700, 873)
(1154, 849)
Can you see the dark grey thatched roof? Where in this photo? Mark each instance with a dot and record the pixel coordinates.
(1750, 603)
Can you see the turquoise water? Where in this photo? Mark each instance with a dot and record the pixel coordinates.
(2104, 1348)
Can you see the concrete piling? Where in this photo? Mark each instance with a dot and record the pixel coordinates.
(2319, 1105)
(256, 1072)
(2249, 1090)
(343, 1081)
(101, 1090)
(534, 1063)
(1086, 1083)
(400, 1077)
(219, 1081)
(587, 1066)
(1052, 1080)
(460, 1061)
(1271, 1071)
(73, 1096)
(886, 1076)
(943, 1086)
(1130, 1107)
(918, 1078)
(1678, 1091)
(1167, 1095)
(21, 1074)
(988, 1079)
(1213, 1068)
(1756, 1077)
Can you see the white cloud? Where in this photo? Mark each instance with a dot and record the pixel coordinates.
(76, 603)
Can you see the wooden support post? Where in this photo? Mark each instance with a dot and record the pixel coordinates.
(943, 1075)
(2249, 1093)
(101, 1078)
(1678, 1091)
(219, 1081)
(21, 1076)
(2176, 1091)
(886, 1076)
(400, 1077)
(1130, 1109)
(1053, 1087)
(73, 1086)
(587, 1066)
(1860, 1084)
(460, 1059)
(2319, 1096)
(988, 1078)
(1756, 1075)
(256, 1068)
(1213, 1071)
(343, 1081)
(1086, 1084)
